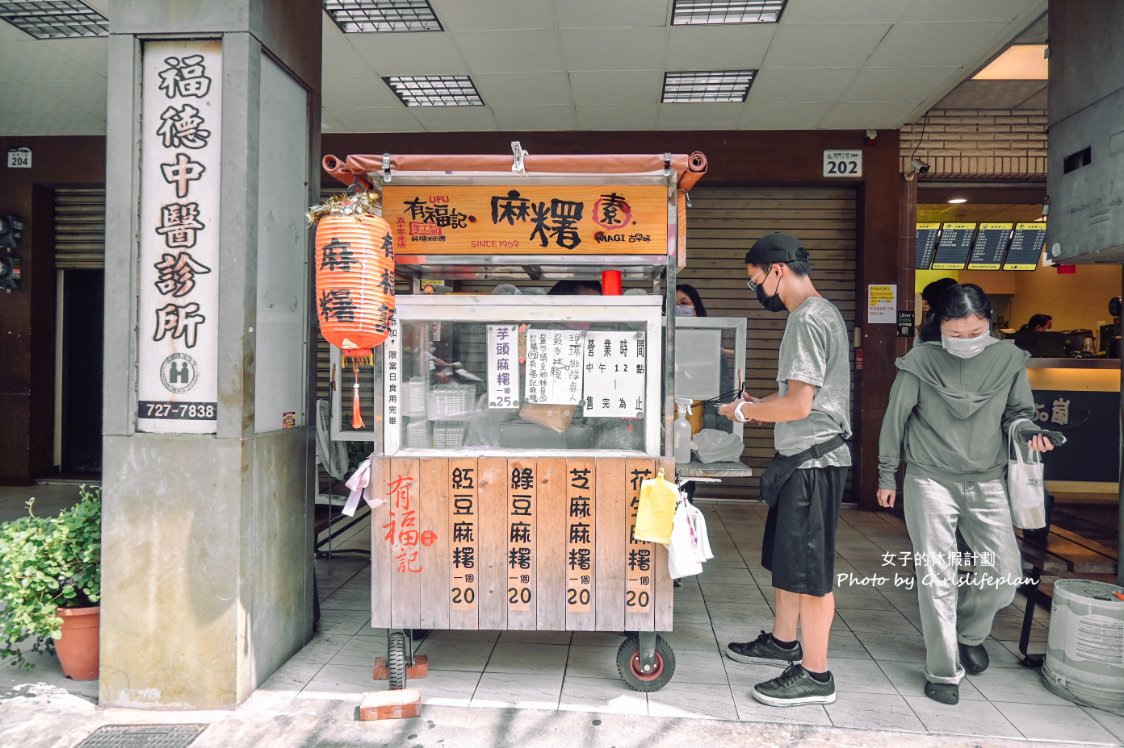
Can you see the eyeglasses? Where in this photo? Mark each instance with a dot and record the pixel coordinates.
(753, 286)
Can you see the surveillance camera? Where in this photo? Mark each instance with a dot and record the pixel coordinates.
(919, 166)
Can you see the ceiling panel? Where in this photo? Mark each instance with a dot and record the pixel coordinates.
(339, 57)
(700, 116)
(618, 117)
(616, 87)
(25, 61)
(968, 10)
(869, 115)
(357, 91)
(614, 49)
(371, 119)
(769, 116)
(447, 118)
(54, 96)
(510, 51)
(50, 123)
(430, 53)
(524, 89)
(851, 11)
(824, 45)
(458, 15)
(536, 118)
(898, 84)
(936, 44)
(800, 84)
(719, 47)
(600, 14)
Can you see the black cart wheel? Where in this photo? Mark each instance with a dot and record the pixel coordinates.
(631, 671)
(396, 660)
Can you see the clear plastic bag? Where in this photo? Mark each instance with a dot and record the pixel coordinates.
(712, 445)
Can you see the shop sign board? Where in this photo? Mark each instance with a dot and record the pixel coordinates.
(503, 366)
(843, 164)
(527, 219)
(614, 374)
(178, 304)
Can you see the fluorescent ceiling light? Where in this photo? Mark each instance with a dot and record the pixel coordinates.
(957, 200)
(707, 86)
(1019, 62)
(378, 16)
(701, 12)
(55, 19)
(435, 90)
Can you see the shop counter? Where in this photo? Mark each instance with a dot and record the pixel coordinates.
(1080, 398)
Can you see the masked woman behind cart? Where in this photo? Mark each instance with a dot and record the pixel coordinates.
(955, 396)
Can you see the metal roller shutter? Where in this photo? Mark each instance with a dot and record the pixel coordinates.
(721, 226)
(80, 229)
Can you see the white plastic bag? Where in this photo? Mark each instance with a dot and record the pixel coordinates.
(1025, 485)
(712, 445)
(689, 546)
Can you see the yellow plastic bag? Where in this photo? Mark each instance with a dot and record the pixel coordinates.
(656, 513)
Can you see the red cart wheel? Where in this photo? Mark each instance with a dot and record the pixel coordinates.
(631, 671)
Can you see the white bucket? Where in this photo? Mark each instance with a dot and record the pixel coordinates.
(1085, 653)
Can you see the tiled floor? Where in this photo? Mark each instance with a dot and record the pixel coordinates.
(876, 652)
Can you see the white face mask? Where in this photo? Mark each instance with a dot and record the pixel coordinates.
(684, 310)
(966, 347)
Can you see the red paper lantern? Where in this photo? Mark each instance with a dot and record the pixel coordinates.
(355, 288)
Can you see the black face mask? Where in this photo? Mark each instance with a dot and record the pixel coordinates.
(771, 303)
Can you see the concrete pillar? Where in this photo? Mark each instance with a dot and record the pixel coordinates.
(207, 535)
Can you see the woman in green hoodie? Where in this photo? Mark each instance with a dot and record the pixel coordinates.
(954, 399)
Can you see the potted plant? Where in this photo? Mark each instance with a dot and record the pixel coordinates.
(50, 584)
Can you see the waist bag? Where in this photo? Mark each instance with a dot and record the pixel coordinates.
(781, 468)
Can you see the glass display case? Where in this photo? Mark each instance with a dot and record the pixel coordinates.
(519, 374)
(710, 366)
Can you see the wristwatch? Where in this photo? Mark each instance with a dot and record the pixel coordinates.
(738, 412)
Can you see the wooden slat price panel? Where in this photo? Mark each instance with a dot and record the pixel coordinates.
(493, 547)
(662, 574)
(464, 529)
(581, 535)
(433, 535)
(402, 533)
(551, 523)
(381, 558)
(521, 539)
(612, 539)
(640, 588)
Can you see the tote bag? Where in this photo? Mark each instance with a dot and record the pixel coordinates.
(1025, 484)
(656, 512)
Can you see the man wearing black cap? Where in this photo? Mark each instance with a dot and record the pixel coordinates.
(804, 483)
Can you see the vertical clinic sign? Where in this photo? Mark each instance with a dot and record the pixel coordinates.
(177, 312)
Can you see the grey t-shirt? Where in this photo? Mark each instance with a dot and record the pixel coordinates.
(814, 349)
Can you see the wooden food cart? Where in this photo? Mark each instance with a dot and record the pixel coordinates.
(510, 446)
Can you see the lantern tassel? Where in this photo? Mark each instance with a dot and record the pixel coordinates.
(356, 411)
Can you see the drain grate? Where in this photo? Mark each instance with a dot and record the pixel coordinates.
(142, 736)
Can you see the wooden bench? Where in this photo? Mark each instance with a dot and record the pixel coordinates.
(1058, 554)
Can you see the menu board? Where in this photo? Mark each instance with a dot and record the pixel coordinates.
(554, 367)
(927, 234)
(954, 245)
(990, 246)
(1026, 246)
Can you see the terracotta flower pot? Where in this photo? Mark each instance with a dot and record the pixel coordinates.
(78, 647)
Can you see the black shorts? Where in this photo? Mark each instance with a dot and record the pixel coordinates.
(799, 544)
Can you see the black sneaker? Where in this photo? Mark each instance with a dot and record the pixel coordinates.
(764, 650)
(795, 687)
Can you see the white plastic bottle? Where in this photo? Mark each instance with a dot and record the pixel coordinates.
(681, 445)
